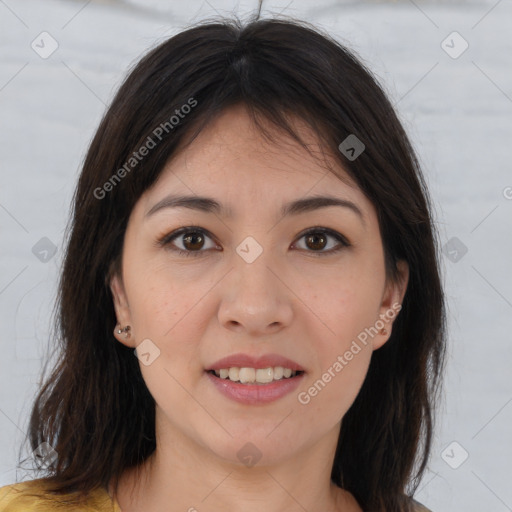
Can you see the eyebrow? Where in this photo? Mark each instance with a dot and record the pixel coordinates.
(210, 205)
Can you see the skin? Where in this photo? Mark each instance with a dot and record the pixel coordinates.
(291, 300)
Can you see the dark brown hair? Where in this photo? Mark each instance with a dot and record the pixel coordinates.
(95, 409)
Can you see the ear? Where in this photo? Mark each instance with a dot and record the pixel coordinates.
(392, 303)
(122, 310)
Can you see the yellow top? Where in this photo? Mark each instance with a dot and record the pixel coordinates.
(31, 496)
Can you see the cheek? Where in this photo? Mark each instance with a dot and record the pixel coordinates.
(169, 309)
(345, 306)
(159, 298)
(332, 389)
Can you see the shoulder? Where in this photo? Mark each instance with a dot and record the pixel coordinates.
(33, 496)
(418, 507)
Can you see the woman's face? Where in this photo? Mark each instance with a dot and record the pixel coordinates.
(251, 281)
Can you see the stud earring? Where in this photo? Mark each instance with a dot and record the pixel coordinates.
(126, 330)
(383, 332)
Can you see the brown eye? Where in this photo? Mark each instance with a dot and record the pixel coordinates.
(193, 241)
(189, 241)
(316, 240)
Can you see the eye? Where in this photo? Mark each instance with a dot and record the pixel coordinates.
(317, 239)
(192, 239)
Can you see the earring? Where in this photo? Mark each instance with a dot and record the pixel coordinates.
(383, 332)
(126, 330)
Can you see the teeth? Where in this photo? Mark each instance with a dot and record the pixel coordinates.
(278, 372)
(233, 373)
(253, 375)
(247, 375)
(264, 375)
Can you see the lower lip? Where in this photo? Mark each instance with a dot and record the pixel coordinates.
(255, 393)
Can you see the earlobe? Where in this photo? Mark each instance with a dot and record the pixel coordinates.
(122, 330)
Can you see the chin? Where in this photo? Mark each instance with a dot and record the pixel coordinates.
(247, 451)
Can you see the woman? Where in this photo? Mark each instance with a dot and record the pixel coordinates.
(252, 223)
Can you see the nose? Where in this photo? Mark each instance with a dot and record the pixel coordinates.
(255, 298)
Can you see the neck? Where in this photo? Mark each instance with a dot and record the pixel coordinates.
(183, 476)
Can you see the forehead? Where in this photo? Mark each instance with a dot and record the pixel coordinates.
(232, 160)
(234, 138)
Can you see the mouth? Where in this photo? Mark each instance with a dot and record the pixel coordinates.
(243, 385)
(253, 380)
(255, 376)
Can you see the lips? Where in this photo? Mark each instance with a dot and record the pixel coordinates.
(246, 361)
(254, 393)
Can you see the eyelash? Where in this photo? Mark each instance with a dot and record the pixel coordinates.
(166, 240)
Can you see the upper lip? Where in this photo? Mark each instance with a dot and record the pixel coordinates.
(246, 361)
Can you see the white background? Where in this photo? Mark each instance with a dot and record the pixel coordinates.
(458, 112)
